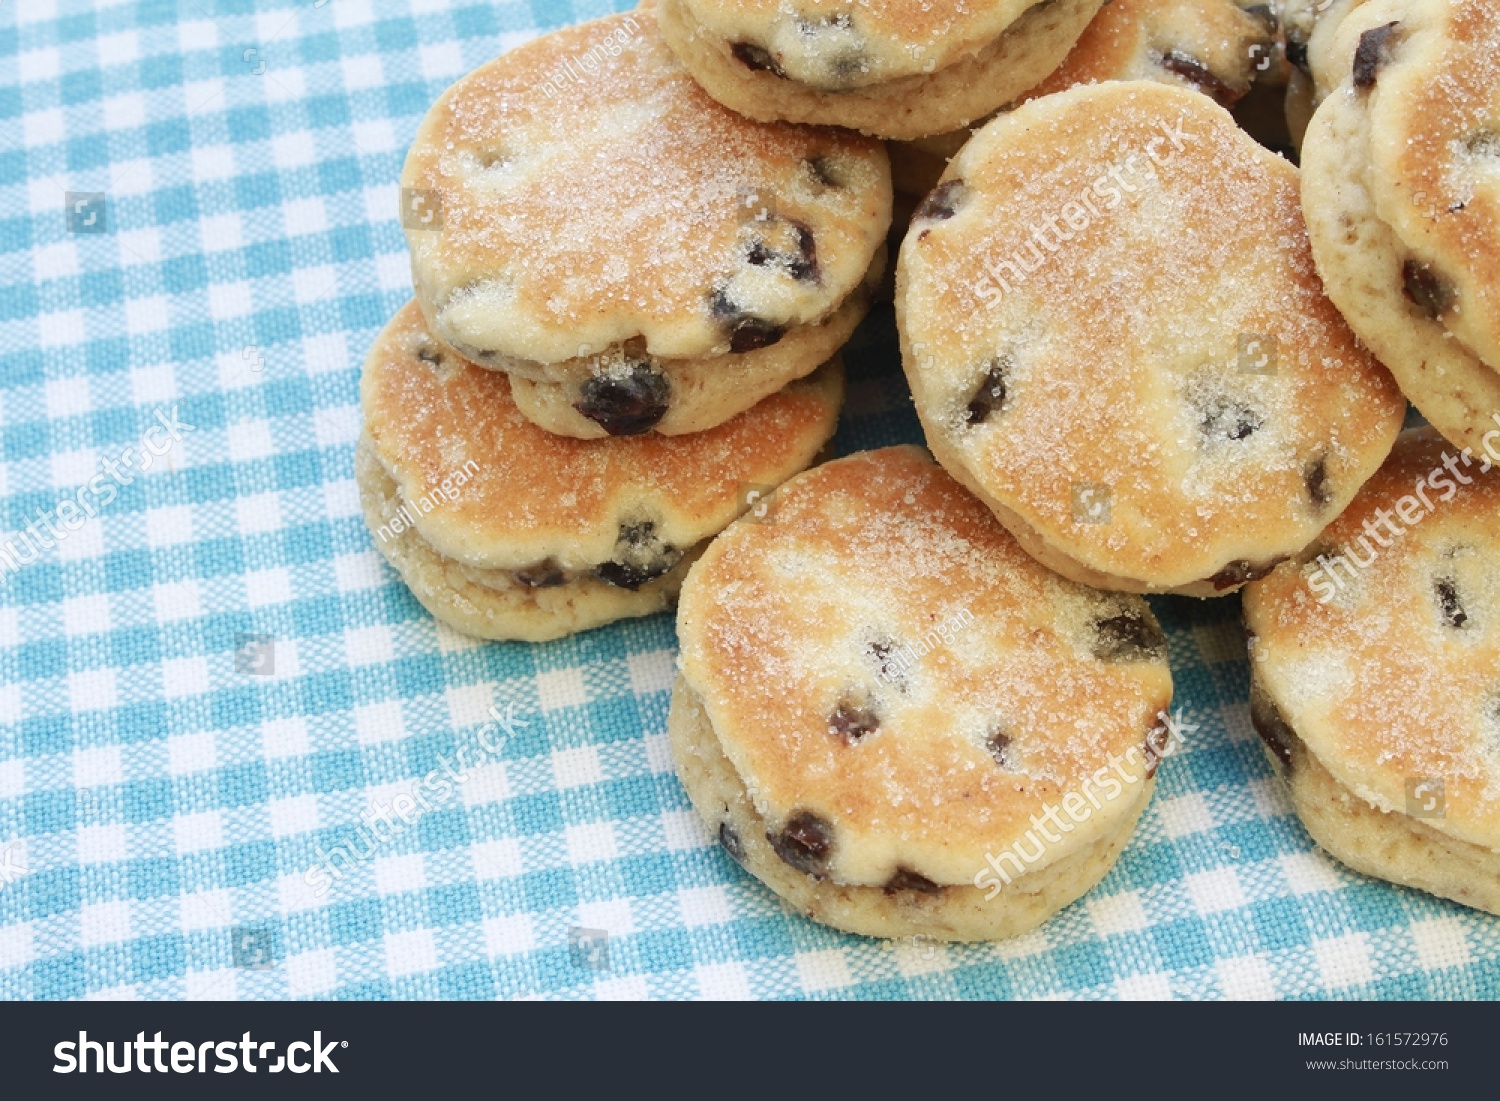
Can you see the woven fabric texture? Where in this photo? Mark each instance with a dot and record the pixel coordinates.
(207, 684)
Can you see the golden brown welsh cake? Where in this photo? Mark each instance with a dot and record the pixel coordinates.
(1310, 28)
(1375, 659)
(1219, 48)
(505, 531)
(1328, 62)
(881, 693)
(1115, 336)
(893, 68)
(1402, 195)
(641, 257)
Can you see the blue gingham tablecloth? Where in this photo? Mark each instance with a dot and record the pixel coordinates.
(208, 686)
